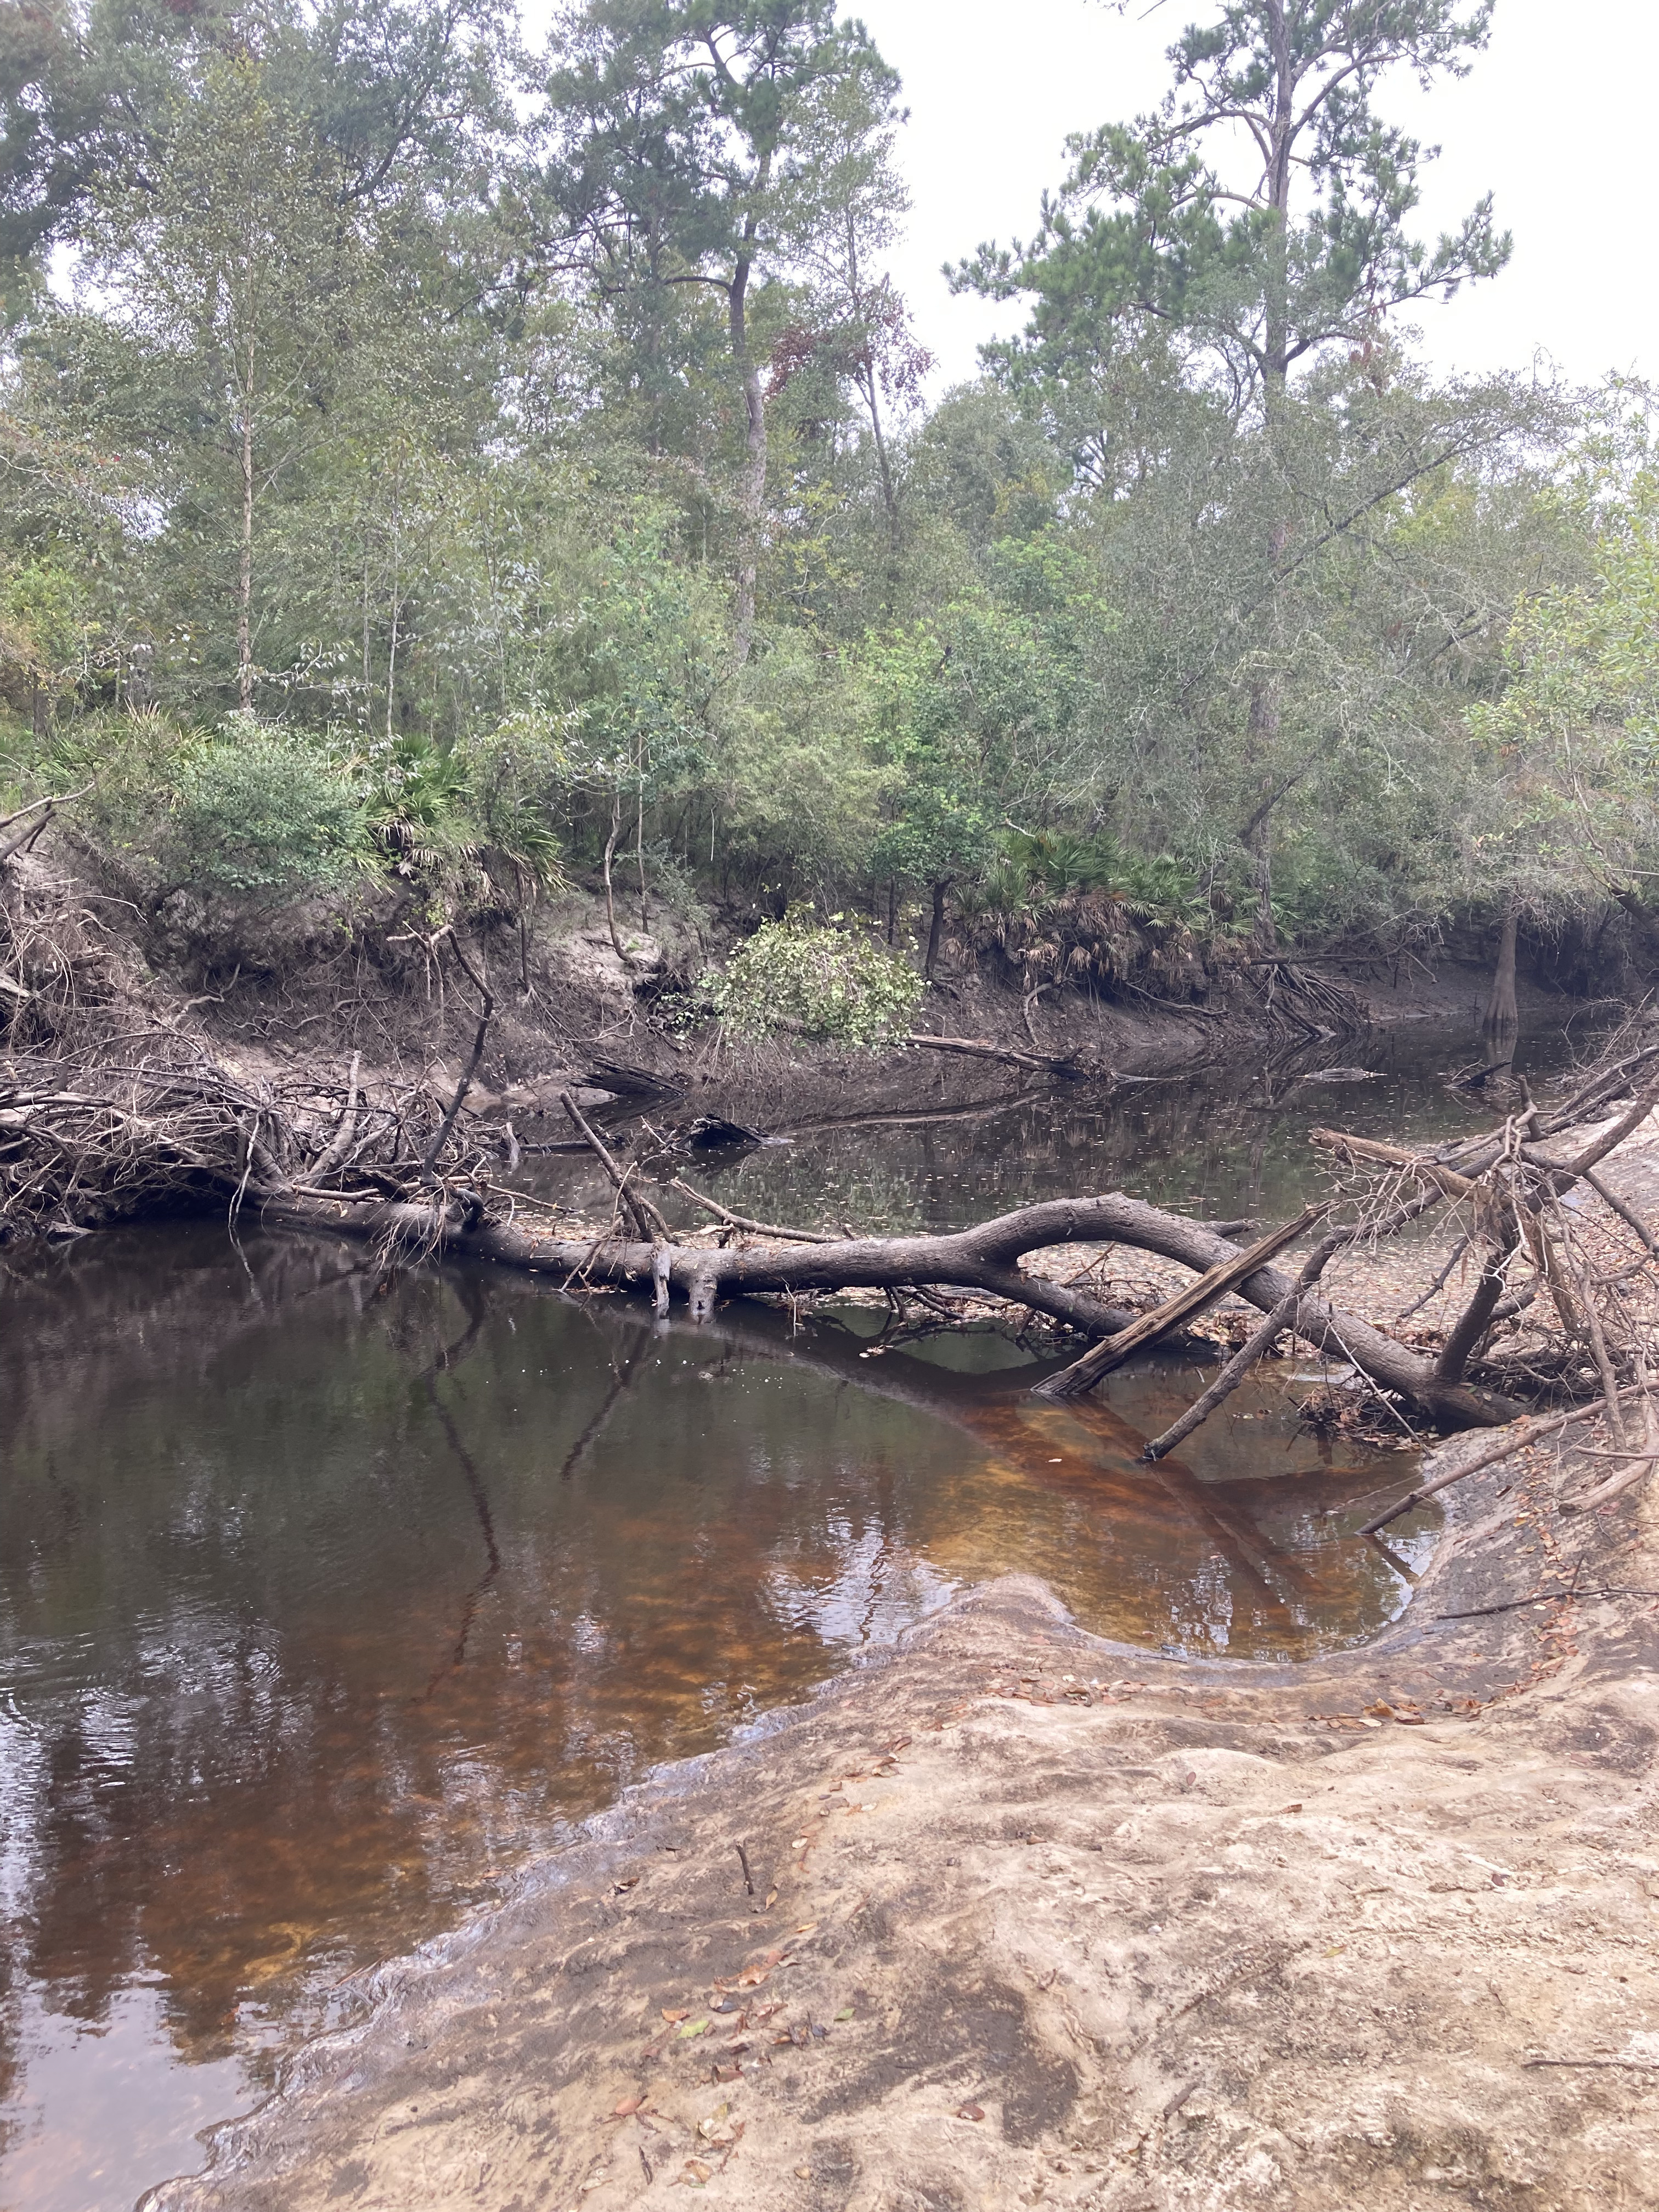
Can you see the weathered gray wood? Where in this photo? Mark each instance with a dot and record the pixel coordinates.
(1215, 1283)
(985, 1258)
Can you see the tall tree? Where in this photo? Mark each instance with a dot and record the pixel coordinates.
(690, 137)
(241, 287)
(1264, 206)
(82, 91)
(860, 323)
(406, 98)
(1405, 519)
(1258, 216)
(1562, 817)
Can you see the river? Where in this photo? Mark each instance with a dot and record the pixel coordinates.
(327, 1602)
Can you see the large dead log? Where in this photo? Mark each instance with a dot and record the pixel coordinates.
(983, 1259)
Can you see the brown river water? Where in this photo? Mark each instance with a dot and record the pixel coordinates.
(325, 1604)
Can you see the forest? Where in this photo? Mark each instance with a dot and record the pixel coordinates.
(440, 468)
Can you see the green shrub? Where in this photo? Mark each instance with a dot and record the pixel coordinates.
(815, 981)
(257, 810)
(517, 783)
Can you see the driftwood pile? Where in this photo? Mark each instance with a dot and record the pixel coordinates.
(118, 1139)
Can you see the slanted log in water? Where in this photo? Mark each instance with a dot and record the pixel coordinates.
(1046, 1063)
(985, 1259)
(1175, 1313)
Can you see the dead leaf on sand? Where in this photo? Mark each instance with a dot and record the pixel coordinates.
(756, 1972)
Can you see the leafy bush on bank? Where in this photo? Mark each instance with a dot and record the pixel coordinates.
(813, 980)
(259, 815)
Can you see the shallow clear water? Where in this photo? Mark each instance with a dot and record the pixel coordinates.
(324, 1601)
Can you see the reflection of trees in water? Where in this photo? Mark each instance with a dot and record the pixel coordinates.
(301, 1517)
(318, 1601)
(1227, 1141)
(1171, 1144)
(474, 1299)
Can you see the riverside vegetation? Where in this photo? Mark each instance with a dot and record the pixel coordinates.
(438, 469)
(441, 472)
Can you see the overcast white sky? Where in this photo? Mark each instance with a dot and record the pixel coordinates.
(1556, 118)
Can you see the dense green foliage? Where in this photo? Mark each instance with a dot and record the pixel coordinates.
(433, 463)
(814, 980)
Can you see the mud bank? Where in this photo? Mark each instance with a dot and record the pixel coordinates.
(1134, 1038)
(85, 979)
(1037, 1919)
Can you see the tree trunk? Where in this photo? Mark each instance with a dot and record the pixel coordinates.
(610, 896)
(1276, 334)
(938, 924)
(751, 493)
(639, 859)
(986, 1259)
(883, 463)
(1258, 830)
(1503, 1015)
(244, 569)
(1264, 937)
(1275, 373)
(751, 481)
(866, 373)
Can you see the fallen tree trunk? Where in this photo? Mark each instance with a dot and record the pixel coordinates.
(1186, 1305)
(985, 1259)
(1044, 1063)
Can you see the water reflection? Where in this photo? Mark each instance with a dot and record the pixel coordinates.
(323, 1601)
(1232, 1141)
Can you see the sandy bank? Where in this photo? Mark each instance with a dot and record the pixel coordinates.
(1057, 1922)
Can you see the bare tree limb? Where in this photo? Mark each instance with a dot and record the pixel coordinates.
(1186, 1305)
(487, 1003)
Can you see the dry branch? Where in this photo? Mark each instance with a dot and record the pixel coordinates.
(333, 1155)
(741, 1221)
(646, 1217)
(1513, 1439)
(1186, 1305)
(486, 1011)
(1045, 1063)
(46, 808)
